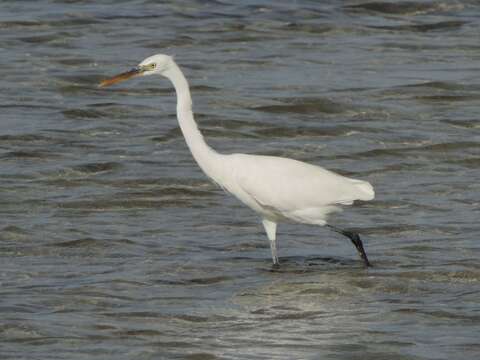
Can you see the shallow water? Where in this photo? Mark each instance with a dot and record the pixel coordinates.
(114, 245)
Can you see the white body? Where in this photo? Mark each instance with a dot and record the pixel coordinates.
(280, 188)
(276, 188)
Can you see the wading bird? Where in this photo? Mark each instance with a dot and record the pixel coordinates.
(277, 188)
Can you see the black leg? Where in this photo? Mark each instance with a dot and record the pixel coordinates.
(355, 238)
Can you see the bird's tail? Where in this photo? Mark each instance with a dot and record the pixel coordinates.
(366, 191)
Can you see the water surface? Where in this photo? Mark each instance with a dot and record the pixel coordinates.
(114, 245)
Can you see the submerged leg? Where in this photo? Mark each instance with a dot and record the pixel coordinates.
(271, 230)
(355, 238)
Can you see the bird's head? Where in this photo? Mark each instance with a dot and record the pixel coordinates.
(156, 64)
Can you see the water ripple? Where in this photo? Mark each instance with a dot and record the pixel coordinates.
(114, 245)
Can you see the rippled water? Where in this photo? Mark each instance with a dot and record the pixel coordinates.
(114, 245)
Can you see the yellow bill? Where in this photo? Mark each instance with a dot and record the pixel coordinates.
(121, 77)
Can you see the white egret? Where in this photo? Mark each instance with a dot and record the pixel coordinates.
(276, 188)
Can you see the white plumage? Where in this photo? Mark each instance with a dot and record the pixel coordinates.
(276, 188)
(294, 190)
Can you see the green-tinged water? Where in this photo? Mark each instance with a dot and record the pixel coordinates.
(114, 245)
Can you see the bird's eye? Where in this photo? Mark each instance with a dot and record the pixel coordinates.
(152, 66)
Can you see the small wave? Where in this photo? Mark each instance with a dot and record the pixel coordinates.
(198, 319)
(175, 41)
(40, 39)
(471, 163)
(20, 138)
(19, 23)
(27, 155)
(208, 280)
(29, 106)
(469, 124)
(45, 24)
(390, 229)
(13, 233)
(448, 98)
(438, 26)
(441, 314)
(308, 131)
(124, 204)
(461, 276)
(401, 151)
(297, 315)
(304, 106)
(203, 88)
(131, 17)
(83, 114)
(93, 168)
(89, 242)
(442, 85)
(236, 247)
(138, 332)
(167, 192)
(201, 356)
(73, 21)
(309, 28)
(398, 7)
(393, 168)
(74, 61)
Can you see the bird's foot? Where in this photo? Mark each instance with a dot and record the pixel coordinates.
(355, 238)
(276, 266)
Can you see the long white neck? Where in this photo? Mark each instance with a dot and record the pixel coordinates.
(204, 155)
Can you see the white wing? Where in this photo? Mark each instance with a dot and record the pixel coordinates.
(296, 190)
